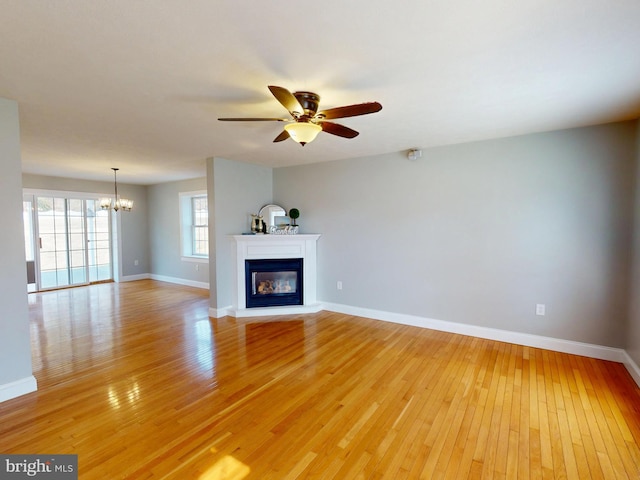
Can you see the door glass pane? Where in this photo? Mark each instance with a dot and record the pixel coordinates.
(29, 245)
(63, 244)
(77, 241)
(99, 246)
(47, 229)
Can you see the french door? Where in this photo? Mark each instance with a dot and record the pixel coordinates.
(67, 242)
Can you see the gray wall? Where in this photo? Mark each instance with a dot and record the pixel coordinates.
(15, 347)
(134, 229)
(164, 231)
(633, 327)
(238, 190)
(480, 233)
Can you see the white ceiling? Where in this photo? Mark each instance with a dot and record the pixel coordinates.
(140, 84)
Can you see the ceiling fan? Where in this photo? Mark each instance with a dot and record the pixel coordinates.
(307, 121)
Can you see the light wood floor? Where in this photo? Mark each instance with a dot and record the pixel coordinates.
(140, 383)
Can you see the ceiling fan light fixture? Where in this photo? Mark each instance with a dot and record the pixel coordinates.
(307, 120)
(303, 132)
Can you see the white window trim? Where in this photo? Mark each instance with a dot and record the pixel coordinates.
(185, 227)
(195, 259)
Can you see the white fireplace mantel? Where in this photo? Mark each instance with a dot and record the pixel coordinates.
(258, 247)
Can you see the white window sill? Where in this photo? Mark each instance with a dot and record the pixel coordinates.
(195, 259)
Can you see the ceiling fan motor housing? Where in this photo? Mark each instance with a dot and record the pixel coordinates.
(309, 101)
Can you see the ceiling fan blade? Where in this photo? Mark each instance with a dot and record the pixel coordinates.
(339, 130)
(282, 137)
(350, 110)
(288, 101)
(254, 120)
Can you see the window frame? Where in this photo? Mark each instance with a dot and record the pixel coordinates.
(188, 226)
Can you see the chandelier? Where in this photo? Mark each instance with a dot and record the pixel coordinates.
(118, 203)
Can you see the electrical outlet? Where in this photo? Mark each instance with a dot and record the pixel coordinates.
(197, 267)
(135, 262)
(541, 309)
(339, 285)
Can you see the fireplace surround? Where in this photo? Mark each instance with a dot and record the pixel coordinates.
(264, 248)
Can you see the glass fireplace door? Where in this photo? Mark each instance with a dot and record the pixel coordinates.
(273, 282)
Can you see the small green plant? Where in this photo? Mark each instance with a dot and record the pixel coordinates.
(294, 213)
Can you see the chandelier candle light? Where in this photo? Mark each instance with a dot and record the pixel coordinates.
(118, 203)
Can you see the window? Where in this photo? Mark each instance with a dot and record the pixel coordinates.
(200, 224)
(194, 218)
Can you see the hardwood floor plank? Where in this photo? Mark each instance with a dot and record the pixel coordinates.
(138, 381)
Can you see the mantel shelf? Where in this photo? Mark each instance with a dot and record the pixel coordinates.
(266, 236)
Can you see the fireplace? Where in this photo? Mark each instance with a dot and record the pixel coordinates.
(267, 248)
(273, 282)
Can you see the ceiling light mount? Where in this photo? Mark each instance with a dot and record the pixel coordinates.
(118, 203)
(414, 154)
(308, 101)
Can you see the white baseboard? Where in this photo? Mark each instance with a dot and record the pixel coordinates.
(219, 312)
(133, 278)
(526, 339)
(180, 281)
(632, 367)
(18, 388)
(164, 278)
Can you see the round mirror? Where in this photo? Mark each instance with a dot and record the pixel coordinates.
(273, 216)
